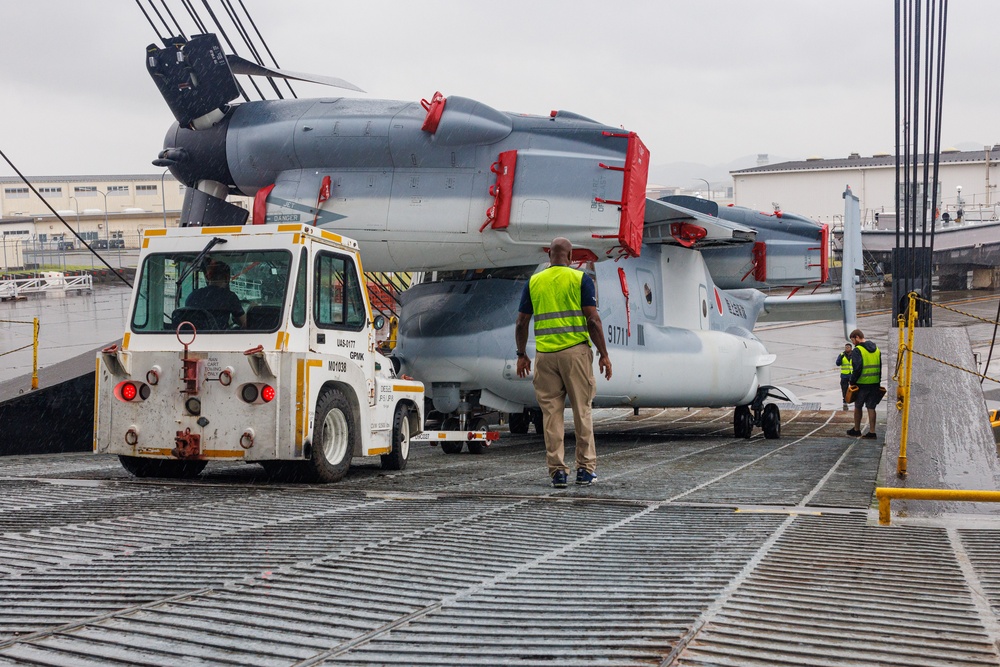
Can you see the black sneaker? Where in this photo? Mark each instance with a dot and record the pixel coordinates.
(559, 479)
(854, 433)
(870, 435)
(584, 478)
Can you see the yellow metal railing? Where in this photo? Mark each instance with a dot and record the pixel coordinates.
(904, 367)
(33, 345)
(886, 494)
(905, 359)
(903, 377)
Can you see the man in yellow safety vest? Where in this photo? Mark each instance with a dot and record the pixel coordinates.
(866, 375)
(564, 305)
(846, 368)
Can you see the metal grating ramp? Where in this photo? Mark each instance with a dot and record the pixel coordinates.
(693, 549)
(833, 591)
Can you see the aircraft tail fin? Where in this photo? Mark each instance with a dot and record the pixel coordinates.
(842, 305)
(852, 264)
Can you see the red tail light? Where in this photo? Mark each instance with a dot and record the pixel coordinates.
(129, 391)
(257, 393)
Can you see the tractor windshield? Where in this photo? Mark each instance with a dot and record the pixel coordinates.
(223, 291)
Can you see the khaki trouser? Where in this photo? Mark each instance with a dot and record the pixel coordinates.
(568, 372)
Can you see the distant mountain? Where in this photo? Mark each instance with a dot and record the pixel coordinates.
(689, 174)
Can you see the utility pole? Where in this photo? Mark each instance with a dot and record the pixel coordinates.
(708, 186)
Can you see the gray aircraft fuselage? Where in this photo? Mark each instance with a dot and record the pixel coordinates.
(676, 340)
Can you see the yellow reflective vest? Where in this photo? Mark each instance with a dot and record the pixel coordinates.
(846, 367)
(871, 366)
(558, 309)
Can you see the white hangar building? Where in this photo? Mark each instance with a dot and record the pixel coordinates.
(813, 187)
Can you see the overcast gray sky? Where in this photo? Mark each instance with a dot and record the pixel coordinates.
(704, 82)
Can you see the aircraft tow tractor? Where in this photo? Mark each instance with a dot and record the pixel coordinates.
(256, 344)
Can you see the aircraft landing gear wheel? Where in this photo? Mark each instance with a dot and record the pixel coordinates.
(770, 421)
(451, 446)
(396, 458)
(333, 441)
(477, 446)
(518, 422)
(143, 467)
(742, 422)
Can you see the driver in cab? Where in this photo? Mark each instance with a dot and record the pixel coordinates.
(217, 298)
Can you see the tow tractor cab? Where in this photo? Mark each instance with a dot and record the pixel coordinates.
(252, 344)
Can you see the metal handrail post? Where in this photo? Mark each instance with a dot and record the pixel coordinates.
(911, 319)
(34, 356)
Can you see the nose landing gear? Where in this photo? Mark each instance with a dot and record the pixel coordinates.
(767, 417)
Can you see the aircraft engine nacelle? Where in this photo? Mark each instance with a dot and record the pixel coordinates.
(451, 183)
(789, 249)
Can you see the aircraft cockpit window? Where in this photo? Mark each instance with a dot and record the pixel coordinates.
(231, 292)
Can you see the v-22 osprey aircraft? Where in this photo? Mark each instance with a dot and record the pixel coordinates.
(675, 337)
(452, 184)
(448, 183)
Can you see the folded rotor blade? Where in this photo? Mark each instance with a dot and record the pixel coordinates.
(241, 66)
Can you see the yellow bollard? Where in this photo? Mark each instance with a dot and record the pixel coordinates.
(911, 320)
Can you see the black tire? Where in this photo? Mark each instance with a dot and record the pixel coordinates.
(538, 421)
(478, 446)
(770, 421)
(333, 437)
(396, 458)
(742, 422)
(518, 422)
(143, 467)
(452, 446)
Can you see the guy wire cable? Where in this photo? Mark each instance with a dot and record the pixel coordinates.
(942, 41)
(149, 19)
(266, 47)
(193, 14)
(166, 8)
(232, 48)
(231, 12)
(66, 224)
